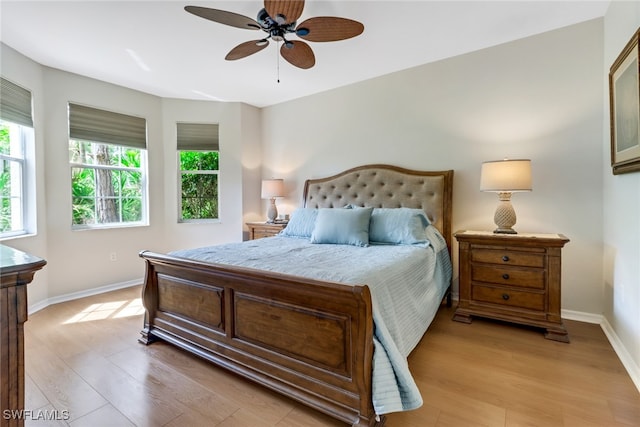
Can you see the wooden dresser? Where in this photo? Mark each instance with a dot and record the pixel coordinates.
(16, 271)
(258, 230)
(512, 277)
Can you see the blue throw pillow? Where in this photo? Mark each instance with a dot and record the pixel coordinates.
(342, 226)
(398, 226)
(301, 223)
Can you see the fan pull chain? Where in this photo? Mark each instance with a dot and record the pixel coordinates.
(278, 60)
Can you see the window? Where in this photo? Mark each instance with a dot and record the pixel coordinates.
(12, 179)
(107, 155)
(17, 175)
(198, 165)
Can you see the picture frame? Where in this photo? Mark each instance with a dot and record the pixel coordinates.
(624, 102)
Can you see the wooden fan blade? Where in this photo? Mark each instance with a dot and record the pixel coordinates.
(299, 54)
(245, 49)
(328, 29)
(224, 17)
(290, 10)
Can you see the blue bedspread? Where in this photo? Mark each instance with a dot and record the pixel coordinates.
(407, 284)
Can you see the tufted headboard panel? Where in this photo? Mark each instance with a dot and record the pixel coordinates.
(385, 186)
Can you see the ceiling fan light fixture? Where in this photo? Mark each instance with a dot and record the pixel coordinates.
(277, 34)
(288, 44)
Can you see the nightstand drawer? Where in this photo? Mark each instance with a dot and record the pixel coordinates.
(524, 278)
(260, 233)
(508, 297)
(258, 230)
(507, 257)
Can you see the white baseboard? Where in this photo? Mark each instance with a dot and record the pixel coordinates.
(581, 316)
(81, 294)
(627, 361)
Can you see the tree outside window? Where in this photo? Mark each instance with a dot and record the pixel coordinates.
(107, 183)
(198, 185)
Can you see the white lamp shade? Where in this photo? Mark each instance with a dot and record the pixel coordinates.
(506, 176)
(272, 188)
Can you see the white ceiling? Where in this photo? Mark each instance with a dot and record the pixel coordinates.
(158, 48)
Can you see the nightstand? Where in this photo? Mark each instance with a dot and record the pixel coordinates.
(258, 230)
(511, 277)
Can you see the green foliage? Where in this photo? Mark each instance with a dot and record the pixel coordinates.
(5, 182)
(126, 185)
(4, 139)
(83, 195)
(125, 157)
(130, 190)
(5, 194)
(199, 196)
(199, 190)
(199, 160)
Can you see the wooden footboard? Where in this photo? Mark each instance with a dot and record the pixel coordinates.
(307, 339)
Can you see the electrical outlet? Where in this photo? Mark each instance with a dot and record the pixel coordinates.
(113, 256)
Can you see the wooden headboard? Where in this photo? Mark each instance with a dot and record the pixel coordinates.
(385, 186)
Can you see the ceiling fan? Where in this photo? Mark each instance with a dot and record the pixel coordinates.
(278, 19)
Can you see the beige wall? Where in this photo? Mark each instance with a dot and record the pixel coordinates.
(621, 302)
(538, 98)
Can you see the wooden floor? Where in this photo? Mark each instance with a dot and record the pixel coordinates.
(83, 363)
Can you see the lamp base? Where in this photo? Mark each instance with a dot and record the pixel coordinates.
(272, 211)
(505, 216)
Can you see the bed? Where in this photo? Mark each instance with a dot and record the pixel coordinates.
(316, 337)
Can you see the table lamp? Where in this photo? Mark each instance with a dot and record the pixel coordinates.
(505, 177)
(272, 188)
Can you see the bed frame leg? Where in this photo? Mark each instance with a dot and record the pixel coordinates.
(448, 297)
(370, 422)
(146, 338)
(382, 421)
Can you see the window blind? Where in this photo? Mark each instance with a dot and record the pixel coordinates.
(15, 103)
(93, 124)
(198, 136)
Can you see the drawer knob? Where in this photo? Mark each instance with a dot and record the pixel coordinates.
(505, 297)
(505, 276)
(505, 258)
